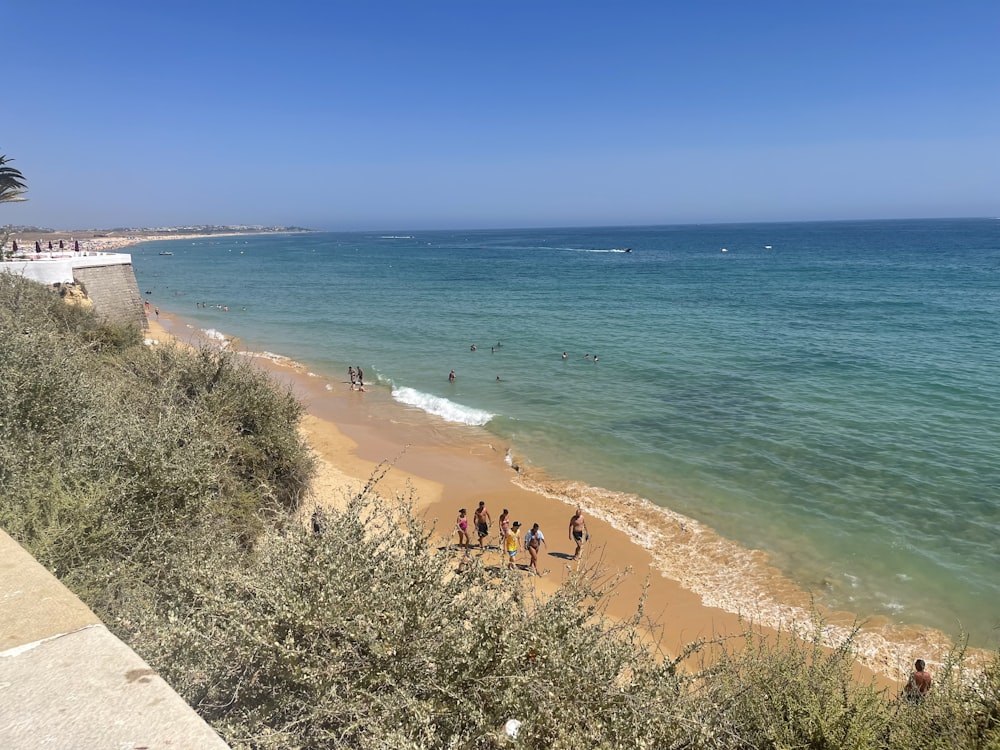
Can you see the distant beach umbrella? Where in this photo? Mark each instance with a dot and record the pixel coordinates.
(50, 246)
(61, 247)
(76, 246)
(38, 246)
(15, 246)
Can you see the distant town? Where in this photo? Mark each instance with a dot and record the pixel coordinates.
(161, 231)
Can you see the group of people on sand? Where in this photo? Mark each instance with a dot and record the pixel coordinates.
(357, 378)
(509, 535)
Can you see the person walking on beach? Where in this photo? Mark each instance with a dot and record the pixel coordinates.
(578, 531)
(533, 540)
(503, 524)
(919, 684)
(352, 374)
(483, 521)
(512, 543)
(361, 376)
(462, 527)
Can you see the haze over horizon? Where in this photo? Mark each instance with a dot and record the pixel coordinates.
(499, 115)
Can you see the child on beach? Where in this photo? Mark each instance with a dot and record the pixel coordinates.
(513, 544)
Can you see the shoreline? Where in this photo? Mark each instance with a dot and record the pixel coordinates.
(694, 592)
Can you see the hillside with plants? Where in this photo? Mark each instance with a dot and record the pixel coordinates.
(165, 485)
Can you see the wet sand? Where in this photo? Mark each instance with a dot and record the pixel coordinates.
(697, 585)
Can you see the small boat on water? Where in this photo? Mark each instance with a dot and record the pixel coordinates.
(166, 252)
(621, 250)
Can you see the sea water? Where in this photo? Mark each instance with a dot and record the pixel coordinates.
(828, 393)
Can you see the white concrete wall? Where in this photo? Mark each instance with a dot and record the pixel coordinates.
(50, 271)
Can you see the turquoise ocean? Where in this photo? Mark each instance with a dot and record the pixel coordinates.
(828, 393)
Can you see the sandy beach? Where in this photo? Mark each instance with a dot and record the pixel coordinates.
(449, 467)
(102, 241)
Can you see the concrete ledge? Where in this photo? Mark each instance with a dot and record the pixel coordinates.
(51, 271)
(67, 682)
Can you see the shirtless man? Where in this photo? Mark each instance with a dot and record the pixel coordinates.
(483, 521)
(577, 530)
(919, 684)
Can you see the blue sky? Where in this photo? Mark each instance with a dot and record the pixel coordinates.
(499, 113)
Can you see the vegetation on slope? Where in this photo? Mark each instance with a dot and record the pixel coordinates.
(163, 486)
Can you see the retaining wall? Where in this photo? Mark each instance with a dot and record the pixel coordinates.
(107, 279)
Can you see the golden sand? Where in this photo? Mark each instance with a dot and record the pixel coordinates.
(697, 584)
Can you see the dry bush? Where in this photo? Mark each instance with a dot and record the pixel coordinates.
(162, 487)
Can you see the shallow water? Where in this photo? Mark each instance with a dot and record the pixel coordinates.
(831, 400)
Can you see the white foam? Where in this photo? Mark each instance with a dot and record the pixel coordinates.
(442, 407)
(211, 333)
(597, 250)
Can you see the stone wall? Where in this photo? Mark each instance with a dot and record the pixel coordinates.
(114, 292)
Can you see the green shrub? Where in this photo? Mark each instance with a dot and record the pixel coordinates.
(117, 434)
(368, 637)
(162, 485)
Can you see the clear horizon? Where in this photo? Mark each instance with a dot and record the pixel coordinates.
(343, 117)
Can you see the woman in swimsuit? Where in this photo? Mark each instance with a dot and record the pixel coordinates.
(533, 541)
(504, 524)
(462, 527)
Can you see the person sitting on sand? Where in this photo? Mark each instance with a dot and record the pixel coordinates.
(533, 541)
(483, 520)
(919, 684)
(578, 531)
(512, 543)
